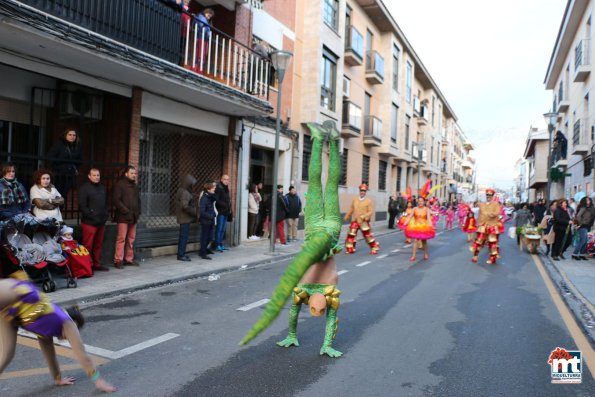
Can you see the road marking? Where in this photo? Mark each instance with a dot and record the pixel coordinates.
(397, 250)
(63, 347)
(382, 256)
(363, 264)
(36, 371)
(576, 333)
(407, 246)
(342, 272)
(439, 233)
(253, 305)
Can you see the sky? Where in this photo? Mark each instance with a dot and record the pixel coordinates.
(489, 59)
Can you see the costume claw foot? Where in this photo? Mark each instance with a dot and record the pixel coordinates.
(289, 341)
(317, 131)
(334, 134)
(329, 351)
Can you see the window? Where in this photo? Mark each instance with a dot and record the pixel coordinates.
(433, 109)
(382, 174)
(367, 104)
(587, 166)
(346, 86)
(328, 75)
(330, 13)
(408, 82)
(432, 152)
(354, 41)
(394, 123)
(343, 176)
(396, 68)
(352, 116)
(366, 169)
(399, 176)
(306, 154)
(407, 122)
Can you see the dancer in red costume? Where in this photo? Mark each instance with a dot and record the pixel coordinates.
(489, 228)
(419, 224)
(360, 213)
(470, 226)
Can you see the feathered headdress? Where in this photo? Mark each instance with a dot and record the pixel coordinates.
(425, 191)
(408, 194)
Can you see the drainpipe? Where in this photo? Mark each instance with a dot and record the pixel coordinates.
(238, 143)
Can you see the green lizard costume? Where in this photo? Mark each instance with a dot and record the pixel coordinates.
(323, 227)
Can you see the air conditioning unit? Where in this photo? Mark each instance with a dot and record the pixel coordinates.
(81, 104)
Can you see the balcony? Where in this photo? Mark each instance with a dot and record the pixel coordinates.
(415, 153)
(147, 44)
(354, 47)
(374, 67)
(580, 140)
(422, 118)
(582, 61)
(466, 164)
(559, 157)
(372, 131)
(352, 120)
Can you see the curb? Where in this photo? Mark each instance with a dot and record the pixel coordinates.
(582, 310)
(87, 300)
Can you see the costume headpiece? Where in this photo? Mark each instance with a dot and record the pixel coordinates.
(490, 191)
(363, 186)
(66, 229)
(425, 191)
(408, 194)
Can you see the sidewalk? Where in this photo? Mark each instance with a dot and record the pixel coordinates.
(167, 269)
(576, 282)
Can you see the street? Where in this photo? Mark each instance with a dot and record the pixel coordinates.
(442, 327)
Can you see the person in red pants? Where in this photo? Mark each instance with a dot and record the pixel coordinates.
(360, 213)
(92, 198)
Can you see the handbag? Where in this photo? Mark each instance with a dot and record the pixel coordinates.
(512, 232)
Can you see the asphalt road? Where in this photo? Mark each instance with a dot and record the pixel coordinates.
(442, 327)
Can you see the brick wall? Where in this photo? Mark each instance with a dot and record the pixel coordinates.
(135, 126)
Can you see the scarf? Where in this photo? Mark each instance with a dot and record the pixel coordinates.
(12, 192)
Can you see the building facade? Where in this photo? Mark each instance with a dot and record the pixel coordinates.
(535, 155)
(569, 78)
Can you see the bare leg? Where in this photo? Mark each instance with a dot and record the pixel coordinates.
(414, 250)
(8, 342)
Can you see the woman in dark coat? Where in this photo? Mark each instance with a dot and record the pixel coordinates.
(65, 156)
(206, 218)
(561, 222)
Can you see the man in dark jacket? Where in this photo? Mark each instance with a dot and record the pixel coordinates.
(127, 203)
(294, 208)
(185, 214)
(92, 198)
(538, 212)
(223, 206)
(394, 209)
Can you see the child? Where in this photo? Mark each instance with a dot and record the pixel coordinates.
(470, 226)
(79, 259)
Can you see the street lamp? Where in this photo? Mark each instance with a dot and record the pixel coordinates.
(280, 61)
(550, 118)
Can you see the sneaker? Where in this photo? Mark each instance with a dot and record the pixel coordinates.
(219, 248)
(184, 258)
(206, 257)
(118, 265)
(210, 252)
(100, 268)
(224, 248)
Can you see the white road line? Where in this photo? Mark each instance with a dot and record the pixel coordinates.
(397, 250)
(98, 351)
(253, 305)
(407, 246)
(382, 256)
(342, 272)
(439, 233)
(363, 264)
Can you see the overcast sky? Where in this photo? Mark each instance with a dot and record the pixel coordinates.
(489, 59)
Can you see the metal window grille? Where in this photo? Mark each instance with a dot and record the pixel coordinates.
(167, 155)
(399, 176)
(366, 169)
(306, 154)
(382, 165)
(343, 177)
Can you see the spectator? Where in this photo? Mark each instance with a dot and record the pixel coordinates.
(224, 214)
(522, 217)
(45, 198)
(294, 208)
(561, 226)
(261, 211)
(584, 221)
(281, 214)
(203, 34)
(560, 145)
(66, 157)
(127, 203)
(13, 196)
(547, 224)
(185, 214)
(253, 208)
(206, 218)
(539, 211)
(571, 207)
(394, 209)
(92, 197)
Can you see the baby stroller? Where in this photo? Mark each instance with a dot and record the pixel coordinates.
(45, 235)
(29, 256)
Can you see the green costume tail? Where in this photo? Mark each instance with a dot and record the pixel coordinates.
(323, 226)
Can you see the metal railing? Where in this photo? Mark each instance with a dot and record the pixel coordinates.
(579, 136)
(582, 53)
(352, 116)
(373, 128)
(354, 42)
(375, 63)
(163, 30)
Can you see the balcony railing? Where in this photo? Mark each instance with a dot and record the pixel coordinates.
(373, 128)
(354, 47)
(374, 67)
(352, 118)
(164, 31)
(582, 60)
